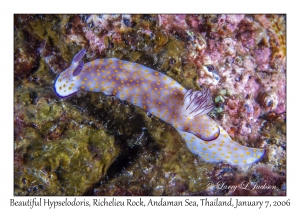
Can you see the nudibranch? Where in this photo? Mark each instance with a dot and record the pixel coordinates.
(185, 110)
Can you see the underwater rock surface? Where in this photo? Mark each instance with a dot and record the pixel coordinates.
(92, 144)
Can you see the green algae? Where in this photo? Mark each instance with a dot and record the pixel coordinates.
(43, 74)
(51, 29)
(219, 99)
(70, 162)
(48, 28)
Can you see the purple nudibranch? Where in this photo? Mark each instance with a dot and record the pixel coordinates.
(162, 96)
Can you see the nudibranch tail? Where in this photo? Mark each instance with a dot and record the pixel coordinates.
(222, 149)
(161, 96)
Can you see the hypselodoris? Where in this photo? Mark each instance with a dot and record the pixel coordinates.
(185, 110)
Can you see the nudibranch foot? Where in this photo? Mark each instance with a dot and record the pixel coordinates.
(222, 149)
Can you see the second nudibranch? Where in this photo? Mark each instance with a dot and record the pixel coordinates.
(163, 97)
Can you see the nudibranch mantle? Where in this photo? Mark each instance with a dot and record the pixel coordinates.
(163, 97)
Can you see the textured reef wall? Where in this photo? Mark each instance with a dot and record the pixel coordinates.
(92, 144)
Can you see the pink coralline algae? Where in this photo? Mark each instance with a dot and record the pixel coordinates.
(172, 21)
(243, 63)
(262, 58)
(229, 22)
(241, 59)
